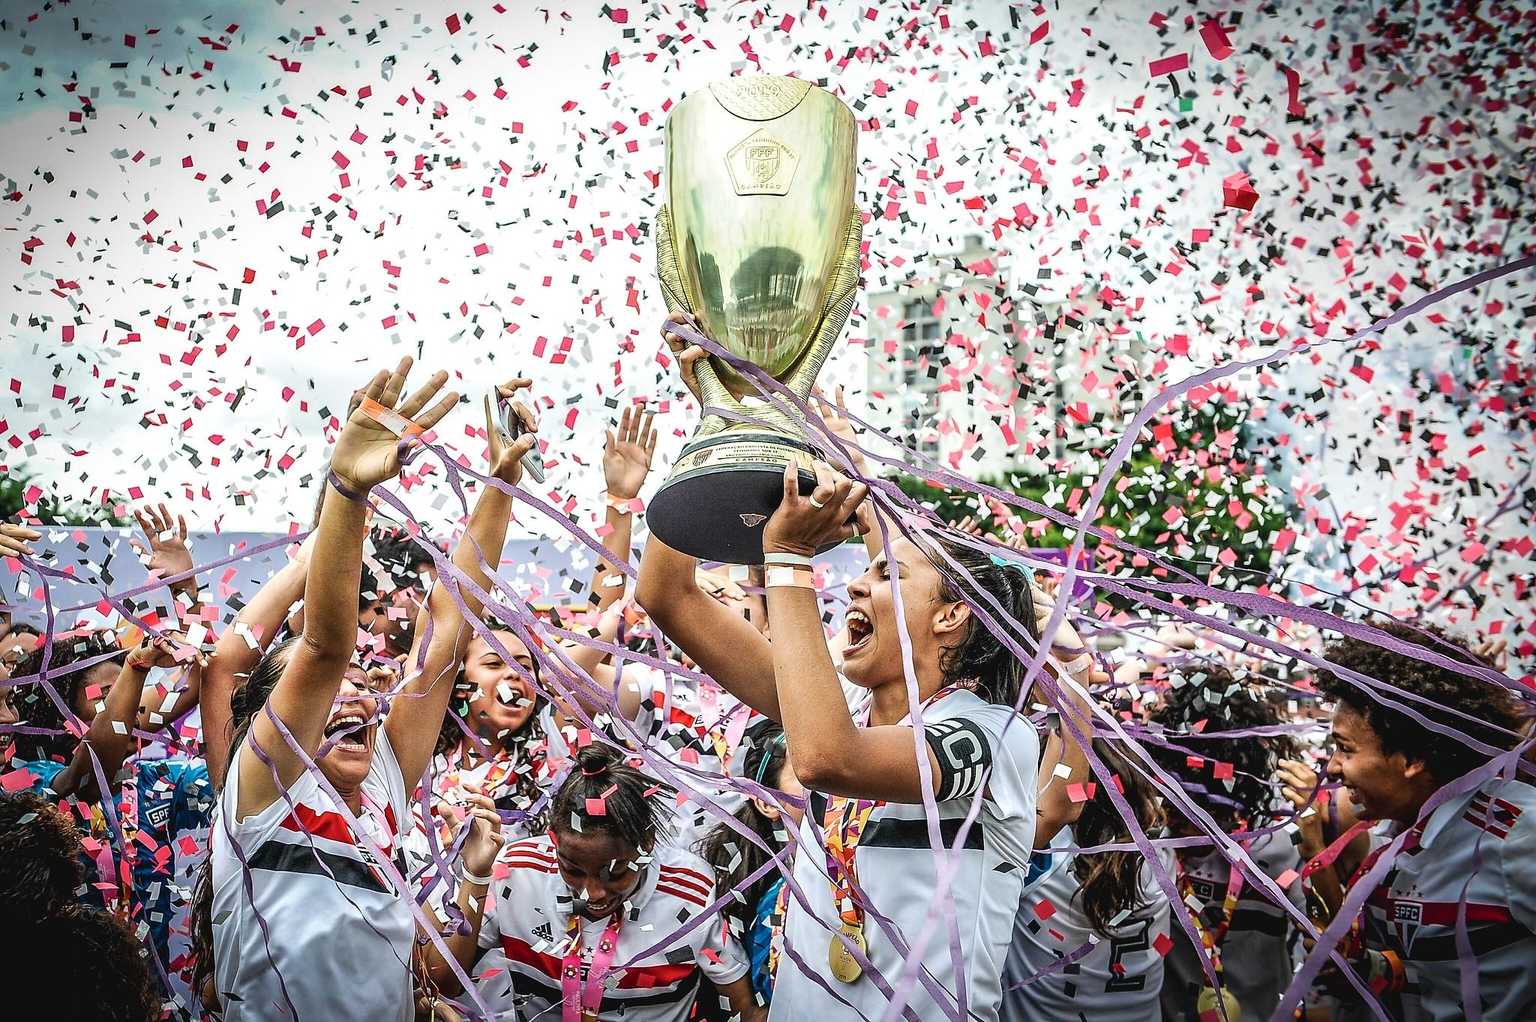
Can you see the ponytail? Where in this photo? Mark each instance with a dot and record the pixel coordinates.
(735, 857)
(981, 660)
(636, 806)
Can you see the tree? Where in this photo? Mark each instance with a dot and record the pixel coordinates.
(1189, 492)
(18, 485)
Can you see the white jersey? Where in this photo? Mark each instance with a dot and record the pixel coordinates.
(340, 935)
(1256, 953)
(1117, 981)
(896, 868)
(525, 926)
(1478, 850)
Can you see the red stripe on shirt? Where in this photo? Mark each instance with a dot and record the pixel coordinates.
(679, 873)
(686, 895)
(1443, 913)
(521, 951)
(647, 977)
(685, 883)
(329, 825)
(521, 862)
(1489, 826)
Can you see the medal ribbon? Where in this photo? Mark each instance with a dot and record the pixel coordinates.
(1211, 937)
(844, 822)
(578, 1003)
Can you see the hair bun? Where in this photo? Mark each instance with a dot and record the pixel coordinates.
(596, 759)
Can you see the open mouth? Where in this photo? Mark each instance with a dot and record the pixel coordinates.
(346, 732)
(506, 695)
(861, 631)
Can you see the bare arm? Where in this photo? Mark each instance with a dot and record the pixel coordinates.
(743, 1001)
(416, 714)
(367, 453)
(478, 857)
(238, 650)
(110, 735)
(1055, 807)
(724, 645)
(627, 457)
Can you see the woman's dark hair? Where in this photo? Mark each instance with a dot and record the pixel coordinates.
(244, 703)
(1490, 707)
(519, 744)
(37, 709)
(40, 869)
(85, 966)
(637, 805)
(1208, 693)
(732, 855)
(1110, 882)
(981, 660)
(22, 628)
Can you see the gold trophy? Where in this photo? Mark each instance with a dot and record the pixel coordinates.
(759, 241)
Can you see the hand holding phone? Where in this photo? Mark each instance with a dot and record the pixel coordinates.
(511, 426)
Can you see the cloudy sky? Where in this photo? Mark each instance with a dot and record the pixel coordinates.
(222, 216)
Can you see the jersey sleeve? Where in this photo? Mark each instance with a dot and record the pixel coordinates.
(1519, 875)
(989, 749)
(722, 957)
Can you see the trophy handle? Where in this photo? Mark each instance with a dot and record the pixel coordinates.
(712, 392)
(841, 292)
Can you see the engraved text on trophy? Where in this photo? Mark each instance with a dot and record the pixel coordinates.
(761, 165)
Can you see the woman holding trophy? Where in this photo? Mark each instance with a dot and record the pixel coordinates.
(937, 756)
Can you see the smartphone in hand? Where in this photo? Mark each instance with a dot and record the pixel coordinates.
(511, 428)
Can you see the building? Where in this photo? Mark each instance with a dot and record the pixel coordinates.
(989, 374)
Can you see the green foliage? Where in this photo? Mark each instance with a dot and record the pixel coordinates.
(1190, 493)
(51, 511)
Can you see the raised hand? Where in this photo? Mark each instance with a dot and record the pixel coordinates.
(835, 416)
(969, 526)
(687, 354)
(161, 651)
(627, 453)
(802, 525)
(484, 840)
(165, 550)
(368, 451)
(1066, 644)
(506, 452)
(14, 539)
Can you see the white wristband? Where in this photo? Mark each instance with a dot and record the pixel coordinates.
(788, 560)
(1078, 665)
(470, 878)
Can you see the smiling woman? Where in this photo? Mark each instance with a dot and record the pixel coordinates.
(304, 878)
(581, 916)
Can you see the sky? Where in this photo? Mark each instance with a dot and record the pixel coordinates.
(221, 217)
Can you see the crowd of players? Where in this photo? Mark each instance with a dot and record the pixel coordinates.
(383, 789)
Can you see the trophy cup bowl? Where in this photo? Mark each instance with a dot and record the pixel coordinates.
(759, 241)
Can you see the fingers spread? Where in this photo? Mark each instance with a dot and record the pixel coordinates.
(435, 414)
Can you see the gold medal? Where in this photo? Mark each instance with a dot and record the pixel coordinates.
(845, 967)
(1205, 1006)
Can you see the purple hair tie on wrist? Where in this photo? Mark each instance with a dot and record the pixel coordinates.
(346, 491)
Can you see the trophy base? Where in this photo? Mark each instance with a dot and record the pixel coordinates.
(722, 491)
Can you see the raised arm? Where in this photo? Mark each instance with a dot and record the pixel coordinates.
(110, 735)
(367, 453)
(166, 556)
(477, 858)
(724, 645)
(627, 457)
(416, 713)
(239, 649)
